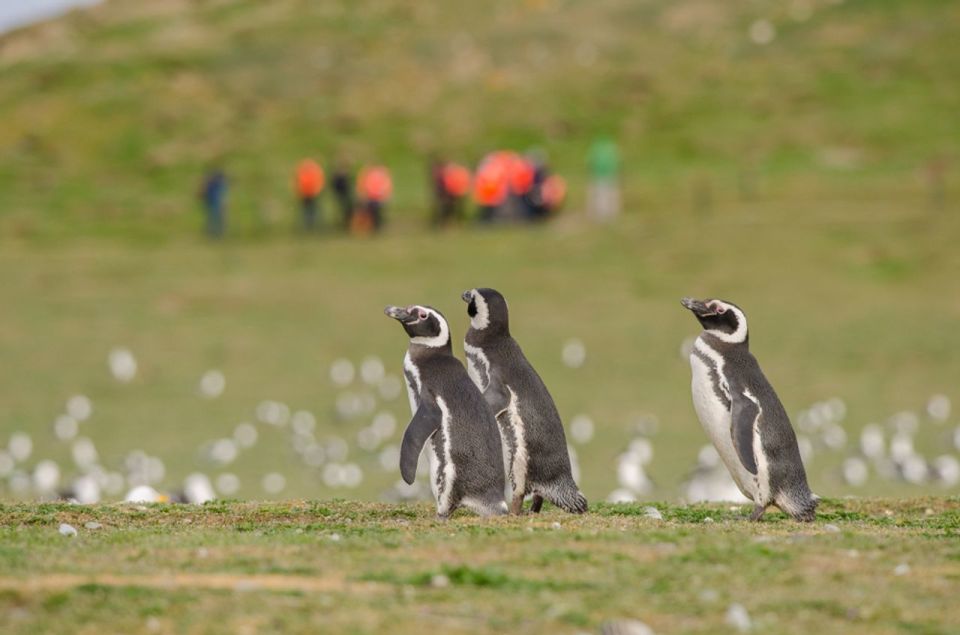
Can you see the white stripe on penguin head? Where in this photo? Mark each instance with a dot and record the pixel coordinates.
(738, 336)
(481, 320)
(435, 341)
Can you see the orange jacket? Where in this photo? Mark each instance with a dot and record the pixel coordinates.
(521, 174)
(310, 178)
(456, 179)
(374, 183)
(490, 183)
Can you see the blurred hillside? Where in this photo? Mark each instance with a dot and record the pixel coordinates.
(111, 113)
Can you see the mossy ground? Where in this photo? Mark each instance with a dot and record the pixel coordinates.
(865, 566)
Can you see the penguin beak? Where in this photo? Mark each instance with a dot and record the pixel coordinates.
(467, 295)
(398, 313)
(697, 307)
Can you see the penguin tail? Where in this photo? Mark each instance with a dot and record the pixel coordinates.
(579, 504)
(569, 499)
(801, 509)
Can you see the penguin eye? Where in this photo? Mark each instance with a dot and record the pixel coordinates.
(422, 314)
(720, 310)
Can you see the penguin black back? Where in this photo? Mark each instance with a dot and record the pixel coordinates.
(450, 417)
(530, 424)
(743, 414)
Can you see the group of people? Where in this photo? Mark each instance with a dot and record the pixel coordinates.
(505, 187)
(361, 208)
(374, 189)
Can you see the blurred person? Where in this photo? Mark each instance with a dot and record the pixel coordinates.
(213, 194)
(457, 181)
(554, 194)
(342, 183)
(375, 188)
(603, 204)
(437, 190)
(309, 184)
(453, 185)
(536, 206)
(490, 187)
(521, 173)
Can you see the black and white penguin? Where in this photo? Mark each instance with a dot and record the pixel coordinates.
(742, 414)
(535, 447)
(466, 462)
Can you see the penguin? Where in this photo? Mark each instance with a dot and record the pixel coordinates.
(534, 443)
(742, 414)
(450, 417)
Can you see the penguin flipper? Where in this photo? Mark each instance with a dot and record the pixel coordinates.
(497, 395)
(424, 423)
(742, 419)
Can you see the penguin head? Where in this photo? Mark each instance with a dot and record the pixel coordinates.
(487, 310)
(425, 325)
(723, 319)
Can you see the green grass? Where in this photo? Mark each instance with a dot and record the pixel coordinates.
(349, 567)
(827, 319)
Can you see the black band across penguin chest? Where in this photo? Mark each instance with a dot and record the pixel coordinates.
(479, 366)
(717, 383)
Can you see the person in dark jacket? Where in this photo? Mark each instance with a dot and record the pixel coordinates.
(342, 184)
(213, 193)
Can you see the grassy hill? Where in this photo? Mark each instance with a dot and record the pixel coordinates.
(877, 567)
(111, 114)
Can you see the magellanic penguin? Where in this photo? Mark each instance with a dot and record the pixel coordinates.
(742, 414)
(466, 461)
(535, 446)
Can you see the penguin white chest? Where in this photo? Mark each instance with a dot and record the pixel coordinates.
(515, 461)
(715, 418)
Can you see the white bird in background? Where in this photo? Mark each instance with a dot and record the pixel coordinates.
(631, 472)
(360, 452)
(710, 481)
(197, 489)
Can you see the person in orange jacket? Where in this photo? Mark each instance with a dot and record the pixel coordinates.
(451, 185)
(456, 183)
(554, 194)
(309, 183)
(490, 186)
(521, 174)
(375, 188)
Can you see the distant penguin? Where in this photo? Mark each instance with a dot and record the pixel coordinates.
(466, 462)
(742, 414)
(535, 446)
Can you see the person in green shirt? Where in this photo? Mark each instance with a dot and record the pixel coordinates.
(603, 204)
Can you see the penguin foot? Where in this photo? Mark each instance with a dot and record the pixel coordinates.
(757, 513)
(536, 504)
(516, 505)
